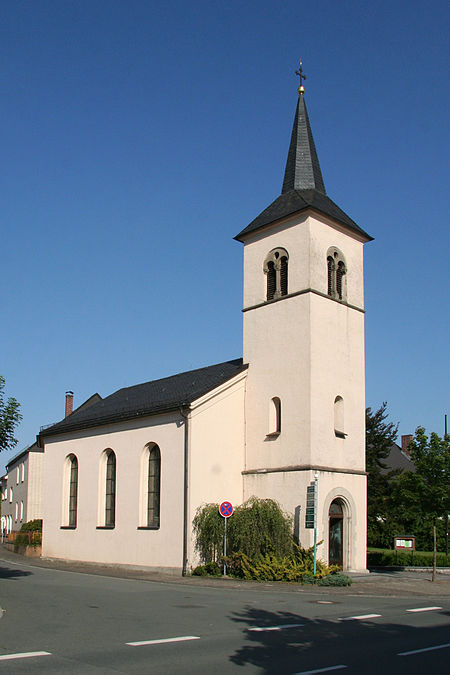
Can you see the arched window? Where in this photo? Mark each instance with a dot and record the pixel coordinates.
(153, 487)
(275, 417)
(73, 492)
(70, 493)
(271, 280)
(276, 270)
(21, 510)
(336, 271)
(110, 490)
(339, 417)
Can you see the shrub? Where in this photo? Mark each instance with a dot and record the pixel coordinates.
(335, 580)
(32, 526)
(200, 571)
(387, 558)
(257, 527)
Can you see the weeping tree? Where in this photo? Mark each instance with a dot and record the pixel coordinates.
(257, 527)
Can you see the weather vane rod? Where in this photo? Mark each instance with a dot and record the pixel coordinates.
(299, 72)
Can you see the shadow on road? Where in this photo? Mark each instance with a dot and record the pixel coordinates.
(8, 573)
(361, 646)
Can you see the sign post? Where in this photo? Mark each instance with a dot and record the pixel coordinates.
(311, 512)
(225, 510)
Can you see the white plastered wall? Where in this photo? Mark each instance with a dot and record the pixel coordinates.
(35, 479)
(216, 449)
(125, 544)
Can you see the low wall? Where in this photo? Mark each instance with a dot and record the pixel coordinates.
(29, 551)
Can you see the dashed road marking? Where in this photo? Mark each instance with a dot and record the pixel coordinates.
(361, 617)
(182, 638)
(426, 649)
(260, 629)
(423, 609)
(22, 655)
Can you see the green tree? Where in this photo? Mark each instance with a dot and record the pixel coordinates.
(423, 498)
(381, 518)
(9, 418)
(256, 528)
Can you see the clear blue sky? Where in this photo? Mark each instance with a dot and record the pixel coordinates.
(139, 137)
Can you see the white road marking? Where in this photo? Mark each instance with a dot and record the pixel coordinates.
(361, 617)
(423, 609)
(426, 649)
(320, 670)
(183, 638)
(259, 629)
(324, 602)
(22, 655)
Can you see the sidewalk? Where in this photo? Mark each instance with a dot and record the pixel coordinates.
(389, 583)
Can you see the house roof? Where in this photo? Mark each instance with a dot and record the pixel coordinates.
(31, 448)
(149, 398)
(398, 460)
(303, 185)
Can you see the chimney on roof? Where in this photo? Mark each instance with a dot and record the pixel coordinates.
(69, 402)
(406, 440)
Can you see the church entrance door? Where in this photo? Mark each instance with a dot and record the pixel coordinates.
(335, 533)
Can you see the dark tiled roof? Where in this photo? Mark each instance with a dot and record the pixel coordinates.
(398, 460)
(300, 200)
(302, 167)
(303, 186)
(149, 398)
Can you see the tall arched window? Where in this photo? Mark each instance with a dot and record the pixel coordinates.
(276, 270)
(73, 492)
(336, 271)
(153, 487)
(110, 490)
(70, 493)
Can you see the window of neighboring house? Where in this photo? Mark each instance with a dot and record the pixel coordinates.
(154, 487)
(336, 274)
(10, 495)
(275, 417)
(339, 417)
(16, 510)
(21, 510)
(22, 472)
(110, 491)
(73, 492)
(17, 476)
(276, 271)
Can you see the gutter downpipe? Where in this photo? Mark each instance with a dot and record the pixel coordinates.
(184, 412)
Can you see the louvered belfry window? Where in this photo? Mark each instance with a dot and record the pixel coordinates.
(283, 276)
(73, 492)
(154, 487)
(330, 265)
(276, 270)
(336, 270)
(110, 494)
(339, 274)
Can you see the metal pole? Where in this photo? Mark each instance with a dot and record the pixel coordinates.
(225, 548)
(316, 482)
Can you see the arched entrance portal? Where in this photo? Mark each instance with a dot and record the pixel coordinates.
(335, 533)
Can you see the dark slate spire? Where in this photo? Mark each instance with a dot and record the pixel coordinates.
(303, 186)
(302, 166)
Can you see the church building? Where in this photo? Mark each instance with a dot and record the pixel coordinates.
(123, 477)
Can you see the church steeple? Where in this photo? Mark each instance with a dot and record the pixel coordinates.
(303, 185)
(302, 167)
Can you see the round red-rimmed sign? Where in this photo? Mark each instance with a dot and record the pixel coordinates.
(226, 509)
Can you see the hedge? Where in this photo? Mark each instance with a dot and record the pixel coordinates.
(388, 558)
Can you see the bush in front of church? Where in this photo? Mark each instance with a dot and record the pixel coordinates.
(260, 545)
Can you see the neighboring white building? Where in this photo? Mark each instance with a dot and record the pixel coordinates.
(21, 489)
(123, 478)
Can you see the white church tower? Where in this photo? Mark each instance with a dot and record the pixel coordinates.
(304, 343)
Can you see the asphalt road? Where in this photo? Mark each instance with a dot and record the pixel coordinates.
(73, 622)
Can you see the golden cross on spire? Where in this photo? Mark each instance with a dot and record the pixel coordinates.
(299, 72)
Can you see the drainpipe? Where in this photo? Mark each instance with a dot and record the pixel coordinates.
(184, 412)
